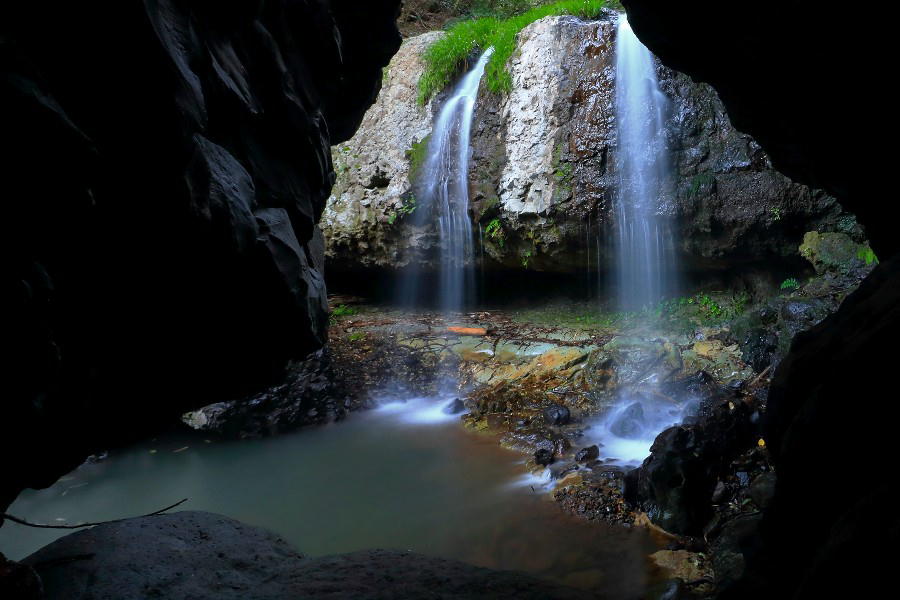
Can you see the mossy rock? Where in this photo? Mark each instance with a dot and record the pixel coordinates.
(835, 252)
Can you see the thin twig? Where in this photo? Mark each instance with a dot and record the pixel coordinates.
(760, 376)
(9, 517)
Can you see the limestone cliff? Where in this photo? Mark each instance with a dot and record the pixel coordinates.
(543, 167)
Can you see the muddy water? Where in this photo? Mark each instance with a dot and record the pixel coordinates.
(404, 476)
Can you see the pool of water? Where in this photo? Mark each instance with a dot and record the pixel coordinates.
(402, 476)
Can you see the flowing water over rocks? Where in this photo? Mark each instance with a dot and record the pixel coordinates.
(543, 176)
(442, 194)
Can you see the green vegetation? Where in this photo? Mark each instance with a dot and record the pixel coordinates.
(867, 254)
(357, 336)
(776, 213)
(678, 315)
(526, 257)
(446, 57)
(341, 310)
(700, 181)
(407, 208)
(790, 284)
(494, 232)
(416, 156)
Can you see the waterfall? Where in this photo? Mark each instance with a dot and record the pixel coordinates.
(644, 245)
(445, 189)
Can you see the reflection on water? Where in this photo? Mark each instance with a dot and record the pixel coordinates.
(404, 476)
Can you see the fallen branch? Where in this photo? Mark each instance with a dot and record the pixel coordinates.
(468, 330)
(14, 519)
(760, 376)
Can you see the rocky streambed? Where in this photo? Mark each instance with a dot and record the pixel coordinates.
(651, 418)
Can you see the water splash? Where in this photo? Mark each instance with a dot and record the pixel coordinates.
(629, 429)
(645, 249)
(445, 189)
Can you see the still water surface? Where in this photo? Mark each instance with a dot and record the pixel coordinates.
(403, 476)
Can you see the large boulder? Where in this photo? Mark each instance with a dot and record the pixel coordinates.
(204, 556)
(164, 181)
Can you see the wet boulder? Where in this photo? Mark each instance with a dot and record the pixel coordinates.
(588, 454)
(676, 482)
(557, 414)
(543, 457)
(454, 408)
(630, 423)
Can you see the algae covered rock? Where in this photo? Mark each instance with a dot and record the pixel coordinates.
(836, 252)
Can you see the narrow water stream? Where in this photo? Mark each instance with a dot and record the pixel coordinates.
(402, 476)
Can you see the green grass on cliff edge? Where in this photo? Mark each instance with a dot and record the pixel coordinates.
(445, 58)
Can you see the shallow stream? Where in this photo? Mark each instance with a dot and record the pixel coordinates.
(401, 476)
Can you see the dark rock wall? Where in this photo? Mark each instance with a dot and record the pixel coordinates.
(830, 424)
(167, 163)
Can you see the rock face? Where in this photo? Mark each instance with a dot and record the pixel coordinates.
(373, 168)
(770, 73)
(310, 395)
(543, 170)
(207, 556)
(164, 183)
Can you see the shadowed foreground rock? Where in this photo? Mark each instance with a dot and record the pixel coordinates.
(165, 179)
(201, 556)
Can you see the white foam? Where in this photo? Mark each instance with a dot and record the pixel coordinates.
(418, 411)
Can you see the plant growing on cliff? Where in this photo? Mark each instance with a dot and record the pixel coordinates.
(494, 232)
(407, 208)
(447, 57)
(866, 254)
(790, 283)
(700, 181)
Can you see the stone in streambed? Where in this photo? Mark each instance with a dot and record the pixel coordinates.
(543, 457)
(630, 424)
(454, 408)
(557, 414)
(588, 454)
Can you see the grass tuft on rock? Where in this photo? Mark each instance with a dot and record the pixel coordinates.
(446, 58)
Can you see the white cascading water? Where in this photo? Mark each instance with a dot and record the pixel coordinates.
(644, 245)
(445, 186)
(645, 252)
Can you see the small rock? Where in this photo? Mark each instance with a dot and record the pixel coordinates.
(629, 424)
(557, 414)
(455, 407)
(543, 457)
(589, 453)
(762, 490)
(718, 495)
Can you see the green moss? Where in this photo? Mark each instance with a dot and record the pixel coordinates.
(866, 254)
(416, 156)
(446, 58)
(700, 181)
